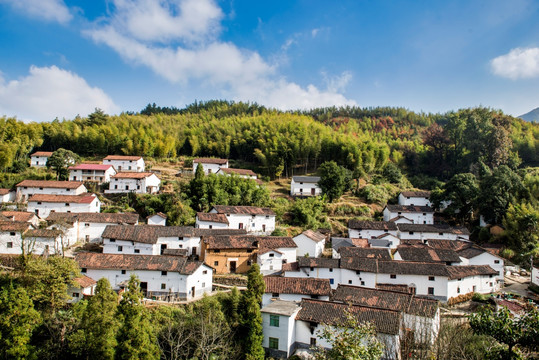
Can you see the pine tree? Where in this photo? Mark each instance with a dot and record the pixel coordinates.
(135, 337)
(250, 332)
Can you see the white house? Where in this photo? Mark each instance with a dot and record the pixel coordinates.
(11, 237)
(211, 221)
(23, 216)
(137, 182)
(274, 251)
(125, 163)
(6, 196)
(253, 219)
(85, 286)
(310, 243)
(420, 315)
(161, 277)
(409, 214)
(294, 289)
(305, 186)
(99, 173)
(370, 229)
(425, 253)
(286, 328)
(210, 165)
(535, 276)
(157, 219)
(47, 241)
(42, 205)
(432, 232)
(27, 188)
(414, 198)
(40, 158)
(88, 227)
(243, 173)
(16, 237)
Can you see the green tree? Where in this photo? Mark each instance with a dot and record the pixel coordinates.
(18, 319)
(135, 336)
(521, 224)
(349, 340)
(96, 336)
(60, 161)
(250, 331)
(334, 180)
(461, 191)
(308, 212)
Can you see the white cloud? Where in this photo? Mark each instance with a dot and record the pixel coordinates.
(50, 92)
(337, 83)
(239, 74)
(314, 32)
(49, 10)
(518, 63)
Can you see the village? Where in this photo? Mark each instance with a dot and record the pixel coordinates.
(400, 272)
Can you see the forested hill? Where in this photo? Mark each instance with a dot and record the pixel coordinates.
(278, 143)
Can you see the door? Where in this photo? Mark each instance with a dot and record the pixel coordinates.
(313, 191)
(144, 288)
(232, 266)
(193, 291)
(163, 247)
(194, 251)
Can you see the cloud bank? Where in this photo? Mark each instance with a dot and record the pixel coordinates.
(519, 63)
(48, 10)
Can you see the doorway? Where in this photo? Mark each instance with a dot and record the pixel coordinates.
(232, 266)
(193, 291)
(144, 288)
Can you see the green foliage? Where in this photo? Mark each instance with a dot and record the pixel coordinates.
(377, 193)
(308, 212)
(461, 191)
(60, 160)
(521, 224)
(350, 340)
(18, 319)
(334, 180)
(135, 336)
(250, 331)
(392, 173)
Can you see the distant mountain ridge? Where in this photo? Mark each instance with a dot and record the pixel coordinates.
(532, 116)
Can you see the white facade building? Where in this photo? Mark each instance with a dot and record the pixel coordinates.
(157, 219)
(161, 277)
(43, 205)
(310, 243)
(22, 216)
(432, 232)
(370, 229)
(294, 289)
(211, 221)
(210, 165)
(253, 219)
(274, 251)
(409, 213)
(6, 196)
(414, 198)
(243, 173)
(11, 237)
(40, 158)
(85, 286)
(535, 276)
(125, 163)
(91, 172)
(27, 188)
(137, 182)
(305, 186)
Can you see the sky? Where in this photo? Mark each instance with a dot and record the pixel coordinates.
(63, 58)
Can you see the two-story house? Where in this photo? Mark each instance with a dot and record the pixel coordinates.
(414, 198)
(410, 214)
(253, 219)
(98, 173)
(305, 186)
(210, 165)
(123, 163)
(39, 158)
(27, 188)
(42, 204)
(137, 182)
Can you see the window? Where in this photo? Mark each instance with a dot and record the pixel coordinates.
(273, 343)
(210, 227)
(363, 283)
(440, 233)
(67, 204)
(393, 276)
(9, 245)
(251, 250)
(216, 263)
(496, 261)
(313, 341)
(249, 262)
(240, 226)
(350, 282)
(217, 250)
(358, 272)
(137, 251)
(274, 295)
(112, 240)
(12, 233)
(180, 246)
(163, 286)
(39, 202)
(83, 270)
(86, 224)
(490, 284)
(274, 320)
(430, 291)
(424, 214)
(312, 269)
(205, 272)
(330, 269)
(331, 281)
(120, 248)
(163, 273)
(458, 290)
(271, 255)
(75, 295)
(67, 189)
(431, 278)
(124, 272)
(411, 233)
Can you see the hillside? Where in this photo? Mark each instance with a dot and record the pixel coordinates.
(532, 116)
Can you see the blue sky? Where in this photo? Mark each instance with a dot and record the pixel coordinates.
(63, 58)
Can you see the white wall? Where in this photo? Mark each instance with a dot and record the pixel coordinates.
(127, 165)
(39, 161)
(285, 332)
(148, 185)
(209, 168)
(535, 276)
(274, 260)
(209, 225)
(416, 217)
(304, 189)
(34, 245)
(45, 208)
(100, 176)
(419, 235)
(129, 247)
(413, 200)
(26, 192)
(334, 275)
(251, 223)
(9, 197)
(308, 246)
(157, 220)
(368, 234)
(483, 284)
(495, 262)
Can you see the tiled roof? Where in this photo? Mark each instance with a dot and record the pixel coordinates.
(146, 233)
(160, 214)
(84, 281)
(359, 264)
(231, 242)
(50, 184)
(132, 175)
(471, 252)
(14, 226)
(372, 225)
(427, 254)
(43, 233)
(332, 313)
(238, 171)
(137, 262)
(176, 252)
(318, 262)
(409, 208)
(210, 161)
(101, 218)
(372, 253)
(4, 191)
(306, 179)
(244, 210)
(268, 243)
(78, 199)
(42, 153)
(314, 235)
(456, 272)
(434, 228)
(19, 215)
(338, 242)
(3, 218)
(122, 157)
(301, 286)
(293, 266)
(98, 167)
(423, 194)
(213, 232)
(212, 217)
(395, 287)
(384, 299)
